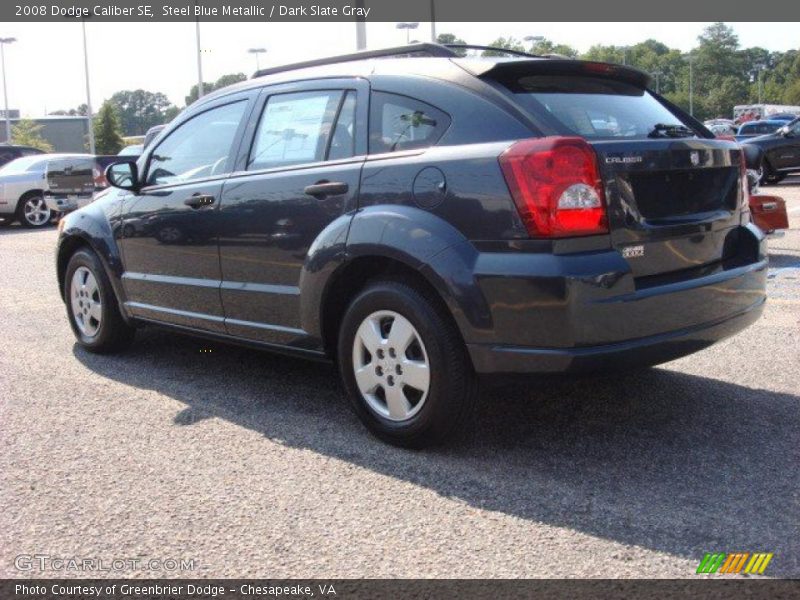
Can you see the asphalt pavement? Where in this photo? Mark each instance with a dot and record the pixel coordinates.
(244, 464)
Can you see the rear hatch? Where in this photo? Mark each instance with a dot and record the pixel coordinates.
(673, 196)
(73, 176)
(672, 204)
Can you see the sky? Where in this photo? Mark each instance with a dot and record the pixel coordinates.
(45, 67)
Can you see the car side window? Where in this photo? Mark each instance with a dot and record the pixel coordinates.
(401, 123)
(295, 128)
(198, 148)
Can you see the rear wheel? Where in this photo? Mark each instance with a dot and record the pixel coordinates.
(32, 211)
(768, 175)
(405, 367)
(92, 307)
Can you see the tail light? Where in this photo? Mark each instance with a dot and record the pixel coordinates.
(556, 185)
(745, 206)
(100, 180)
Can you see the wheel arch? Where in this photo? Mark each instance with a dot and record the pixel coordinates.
(399, 242)
(89, 229)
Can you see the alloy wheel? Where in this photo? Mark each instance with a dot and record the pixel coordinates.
(35, 211)
(87, 307)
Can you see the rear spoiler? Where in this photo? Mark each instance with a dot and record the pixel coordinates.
(508, 71)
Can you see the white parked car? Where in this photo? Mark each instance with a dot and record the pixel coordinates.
(22, 189)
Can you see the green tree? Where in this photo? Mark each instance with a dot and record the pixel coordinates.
(107, 130)
(139, 110)
(545, 46)
(450, 38)
(28, 133)
(510, 43)
(209, 87)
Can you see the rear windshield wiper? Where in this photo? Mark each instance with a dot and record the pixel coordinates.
(674, 131)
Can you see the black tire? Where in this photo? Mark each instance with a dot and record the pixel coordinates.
(768, 176)
(113, 334)
(450, 403)
(26, 219)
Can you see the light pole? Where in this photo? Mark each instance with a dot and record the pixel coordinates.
(3, 42)
(88, 93)
(408, 27)
(761, 68)
(625, 55)
(257, 51)
(199, 58)
(657, 75)
(690, 58)
(361, 28)
(433, 22)
(533, 39)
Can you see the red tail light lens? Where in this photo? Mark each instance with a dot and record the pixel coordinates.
(99, 178)
(556, 185)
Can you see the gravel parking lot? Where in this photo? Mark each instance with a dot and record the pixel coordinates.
(252, 464)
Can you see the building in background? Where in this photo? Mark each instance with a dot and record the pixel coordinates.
(66, 134)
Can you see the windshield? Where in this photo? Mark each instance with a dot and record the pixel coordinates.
(597, 107)
(20, 165)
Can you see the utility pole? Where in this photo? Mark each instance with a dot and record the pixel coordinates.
(690, 58)
(89, 117)
(3, 42)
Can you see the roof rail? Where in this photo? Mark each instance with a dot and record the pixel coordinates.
(424, 49)
(493, 48)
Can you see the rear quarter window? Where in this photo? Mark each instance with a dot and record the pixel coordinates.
(401, 123)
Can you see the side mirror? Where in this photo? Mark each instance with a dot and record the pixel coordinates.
(752, 156)
(786, 131)
(123, 175)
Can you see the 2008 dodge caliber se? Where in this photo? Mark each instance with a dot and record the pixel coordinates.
(423, 220)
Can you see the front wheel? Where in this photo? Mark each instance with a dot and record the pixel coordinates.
(33, 212)
(92, 306)
(405, 366)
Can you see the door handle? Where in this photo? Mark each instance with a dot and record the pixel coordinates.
(198, 200)
(324, 188)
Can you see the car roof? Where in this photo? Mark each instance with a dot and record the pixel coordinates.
(443, 63)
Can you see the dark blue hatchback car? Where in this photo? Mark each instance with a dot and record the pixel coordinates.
(423, 219)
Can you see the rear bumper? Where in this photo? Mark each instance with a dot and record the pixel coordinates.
(587, 311)
(65, 204)
(641, 352)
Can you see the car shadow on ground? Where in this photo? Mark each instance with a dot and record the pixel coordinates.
(660, 459)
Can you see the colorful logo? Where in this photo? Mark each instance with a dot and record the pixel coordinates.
(738, 562)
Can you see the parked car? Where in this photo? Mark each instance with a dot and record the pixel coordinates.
(152, 134)
(783, 117)
(720, 127)
(22, 188)
(132, 150)
(781, 152)
(756, 128)
(69, 185)
(425, 220)
(9, 152)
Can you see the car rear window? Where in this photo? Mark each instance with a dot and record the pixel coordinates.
(592, 107)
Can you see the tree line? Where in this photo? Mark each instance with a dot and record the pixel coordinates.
(723, 74)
